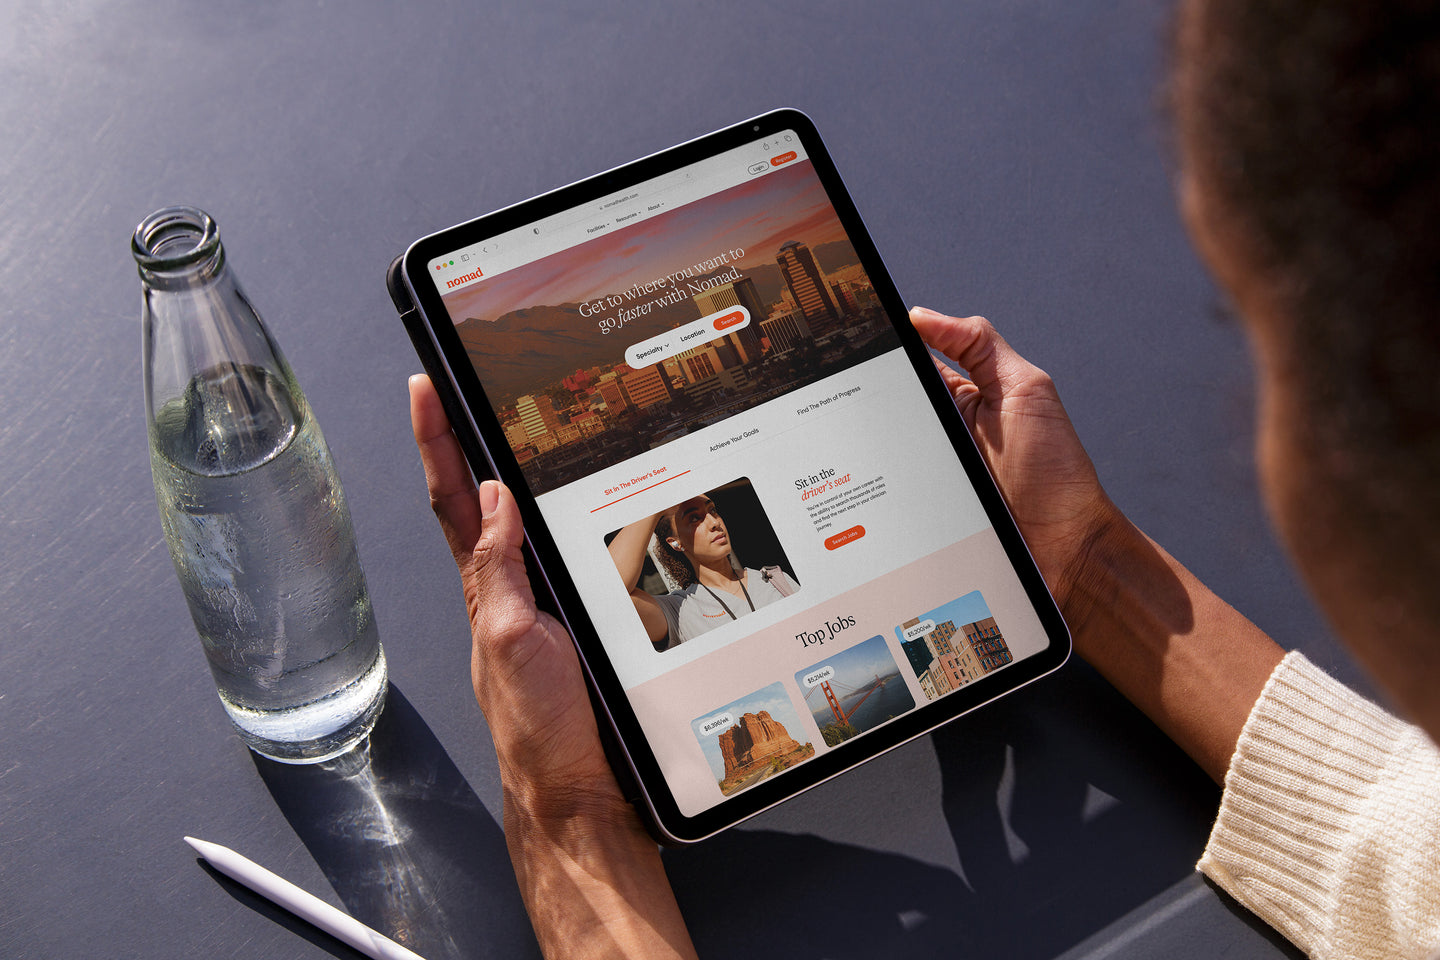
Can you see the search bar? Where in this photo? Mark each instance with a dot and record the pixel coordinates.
(694, 334)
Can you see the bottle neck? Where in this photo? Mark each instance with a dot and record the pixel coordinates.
(178, 248)
(206, 351)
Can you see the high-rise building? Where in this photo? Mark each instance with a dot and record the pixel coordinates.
(698, 363)
(737, 293)
(957, 659)
(807, 285)
(674, 372)
(733, 379)
(933, 683)
(786, 330)
(646, 387)
(612, 393)
(516, 434)
(844, 297)
(537, 414)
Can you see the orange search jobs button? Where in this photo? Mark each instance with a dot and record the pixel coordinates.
(785, 157)
(729, 320)
(844, 537)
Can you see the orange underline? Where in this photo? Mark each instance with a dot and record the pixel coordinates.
(641, 490)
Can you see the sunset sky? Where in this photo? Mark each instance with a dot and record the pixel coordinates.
(758, 215)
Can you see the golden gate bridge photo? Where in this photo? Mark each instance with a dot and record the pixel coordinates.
(855, 690)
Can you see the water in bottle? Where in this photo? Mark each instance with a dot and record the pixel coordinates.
(252, 508)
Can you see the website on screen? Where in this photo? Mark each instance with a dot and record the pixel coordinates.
(769, 528)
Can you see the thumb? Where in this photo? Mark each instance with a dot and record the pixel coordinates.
(497, 588)
(496, 558)
(969, 341)
(974, 343)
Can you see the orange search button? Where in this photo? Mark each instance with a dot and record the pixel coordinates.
(729, 320)
(847, 536)
(785, 157)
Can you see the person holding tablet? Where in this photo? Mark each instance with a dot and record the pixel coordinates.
(693, 545)
(1308, 178)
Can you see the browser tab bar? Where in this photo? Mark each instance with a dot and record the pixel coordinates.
(593, 220)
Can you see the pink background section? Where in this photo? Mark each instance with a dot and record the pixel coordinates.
(667, 704)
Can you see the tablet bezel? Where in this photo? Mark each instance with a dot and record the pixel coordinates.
(666, 819)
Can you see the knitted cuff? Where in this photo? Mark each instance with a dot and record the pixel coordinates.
(1301, 787)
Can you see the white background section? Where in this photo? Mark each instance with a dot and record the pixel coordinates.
(885, 429)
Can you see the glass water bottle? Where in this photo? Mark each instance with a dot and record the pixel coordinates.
(252, 508)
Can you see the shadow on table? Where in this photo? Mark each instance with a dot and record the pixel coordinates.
(1068, 810)
(279, 915)
(405, 842)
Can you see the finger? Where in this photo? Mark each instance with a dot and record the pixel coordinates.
(523, 666)
(965, 394)
(972, 343)
(447, 475)
(956, 381)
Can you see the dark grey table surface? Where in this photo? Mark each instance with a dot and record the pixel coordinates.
(1010, 159)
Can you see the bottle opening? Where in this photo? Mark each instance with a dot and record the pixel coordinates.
(175, 237)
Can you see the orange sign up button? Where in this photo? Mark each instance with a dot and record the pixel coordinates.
(785, 157)
(844, 537)
(729, 320)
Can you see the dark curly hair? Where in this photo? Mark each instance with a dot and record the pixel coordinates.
(1316, 126)
(676, 566)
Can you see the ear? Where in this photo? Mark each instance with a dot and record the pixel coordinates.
(674, 544)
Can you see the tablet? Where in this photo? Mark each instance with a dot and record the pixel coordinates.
(743, 482)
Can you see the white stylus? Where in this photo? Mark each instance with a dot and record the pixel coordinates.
(305, 905)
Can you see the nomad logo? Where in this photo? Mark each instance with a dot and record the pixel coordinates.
(464, 278)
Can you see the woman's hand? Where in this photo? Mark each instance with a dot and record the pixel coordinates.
(591, 877)
(523, 665)
(1018, 422)
(1180, 653)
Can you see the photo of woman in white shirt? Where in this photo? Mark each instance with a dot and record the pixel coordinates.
(705, 584)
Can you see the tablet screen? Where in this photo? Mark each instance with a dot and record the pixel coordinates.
(765, 519)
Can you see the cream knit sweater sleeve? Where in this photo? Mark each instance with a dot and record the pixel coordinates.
(1329, 827)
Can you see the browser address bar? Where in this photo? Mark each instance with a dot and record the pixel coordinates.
(607, 205)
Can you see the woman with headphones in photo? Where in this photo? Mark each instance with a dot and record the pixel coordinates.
(709, 587)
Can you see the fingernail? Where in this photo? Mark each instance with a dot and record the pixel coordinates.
(414, 380)
(489, 498)
(923, 312)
